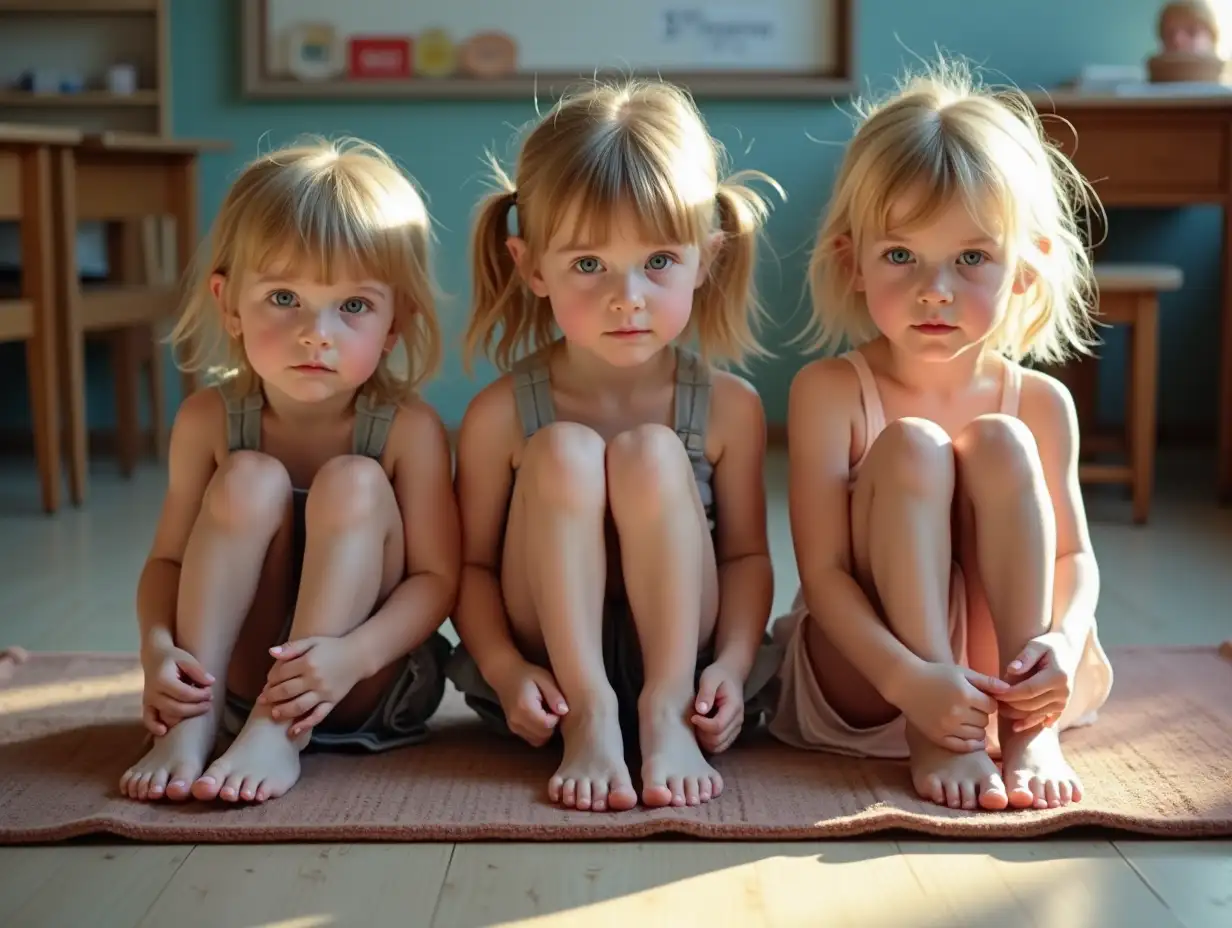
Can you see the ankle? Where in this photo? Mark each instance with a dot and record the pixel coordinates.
(661, 701)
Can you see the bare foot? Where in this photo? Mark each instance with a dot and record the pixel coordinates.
(1036, 771)
(262, 763)
(173, 763)
(960, 781)
(674, 772)
(593, 775)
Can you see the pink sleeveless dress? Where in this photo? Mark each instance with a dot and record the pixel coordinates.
(804, 719)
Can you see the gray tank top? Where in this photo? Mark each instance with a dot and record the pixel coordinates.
(532, 389)
(372, 423)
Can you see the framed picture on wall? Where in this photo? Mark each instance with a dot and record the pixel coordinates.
(480, 49)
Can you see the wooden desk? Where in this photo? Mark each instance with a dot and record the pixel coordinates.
(26, 197)
(1159, 151)
(134, 181)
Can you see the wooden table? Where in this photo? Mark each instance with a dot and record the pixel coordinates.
(26, 197)
(131, 182)
(1164, 152)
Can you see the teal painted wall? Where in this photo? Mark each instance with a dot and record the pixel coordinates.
(1033, 43)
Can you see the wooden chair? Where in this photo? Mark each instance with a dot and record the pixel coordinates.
(26, 196)
(1128, 295)
(133, 183)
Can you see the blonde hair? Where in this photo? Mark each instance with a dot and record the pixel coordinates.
(640, 145)
(943, 135)
(1202, 12)
(327, 209)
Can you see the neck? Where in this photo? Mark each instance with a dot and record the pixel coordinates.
(578, 364)
(934, 376)
(298, 413)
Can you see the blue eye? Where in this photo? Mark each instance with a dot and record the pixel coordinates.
(354, 305)
(660, 262)
(898, 256)
(587, 265)
(978, 258)
(282, 298)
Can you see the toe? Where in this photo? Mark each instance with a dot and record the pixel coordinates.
(622, 796)
(125, 778)
(1063, 792)
(1075, 788)
(143, 787)
(569, 793)
(598, 795)
(1020, 794)
(230, 791)
(583, 795)
(676, 786)
(1039, 796)
(966, 791)
(248, 791)
(1052, 794)
(992, 794)
(692, 792)
(158, 784)
(556, 787)
(716, 785)
(929, 787)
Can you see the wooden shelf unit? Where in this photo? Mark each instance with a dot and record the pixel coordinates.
(82, 38)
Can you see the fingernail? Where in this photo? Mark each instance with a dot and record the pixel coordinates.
(275, 650)
(562, 708)
(1016, 665)
(274, 714)
(702, 707)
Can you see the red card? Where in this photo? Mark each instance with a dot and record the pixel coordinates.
(381, 57)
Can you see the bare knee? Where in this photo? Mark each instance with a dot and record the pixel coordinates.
(915, 456)
(348, 492)
(648, 467)
(997, 453)
(563, 467)
(250, 492)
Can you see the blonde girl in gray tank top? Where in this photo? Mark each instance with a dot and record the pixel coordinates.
(286, 600)
(618, 581)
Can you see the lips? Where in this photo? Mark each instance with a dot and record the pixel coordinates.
(314, 366)
(934, 328)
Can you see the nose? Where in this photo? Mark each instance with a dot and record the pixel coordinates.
(935, 289)
(629, 293)
(316, 331)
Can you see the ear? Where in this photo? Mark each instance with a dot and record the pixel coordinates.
(709, 253)
(530, 275)
(845, 254)
(230, 318)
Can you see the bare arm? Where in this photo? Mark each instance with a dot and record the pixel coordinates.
(823, 396)
(484, 482)
(423, 486)
(1048, 410)
(196, 440)
(746, 576)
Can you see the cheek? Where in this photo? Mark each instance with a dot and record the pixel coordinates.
(673, 309)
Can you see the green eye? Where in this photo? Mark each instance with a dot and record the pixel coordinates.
(972, 258)
(283, 298)
(354, 305)
(660, 262)
(898, 256)
(587, 265)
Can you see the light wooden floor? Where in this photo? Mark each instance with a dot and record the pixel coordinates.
(68, 582)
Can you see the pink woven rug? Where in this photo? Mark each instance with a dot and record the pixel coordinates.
(1159, 762)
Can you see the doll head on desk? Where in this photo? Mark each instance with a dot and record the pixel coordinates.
(1189, 27)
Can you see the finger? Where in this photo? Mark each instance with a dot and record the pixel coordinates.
(1006, 711)
(985, 683)
(730, 707)
(1036, 702)
(969, 732)
(195, 672)
(284, 670)
(184, 710)
(1027, 659)
(707, 692)
(311, 720)
(706, 725)
(980, 701)
(293, 649)
(552, 696)
(729, 734)
(184, 692)
(154, 725)
(1034, 720)
(531, 704)
(294, 708)
(281, 692)
(962, 745)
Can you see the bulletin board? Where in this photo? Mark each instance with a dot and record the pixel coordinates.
(517, 48)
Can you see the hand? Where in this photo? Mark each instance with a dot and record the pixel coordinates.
(951, 705)
(532, 701)
(722, 691)
(177, 687)
(1043, 680)
(309, 678)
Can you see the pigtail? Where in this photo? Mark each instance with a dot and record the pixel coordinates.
(498, 296)
(729, 309)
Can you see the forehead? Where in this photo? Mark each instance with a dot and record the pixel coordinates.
(623, 225)
(921, 211)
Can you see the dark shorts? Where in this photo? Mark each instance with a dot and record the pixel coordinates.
(400, 718)
(622, 659)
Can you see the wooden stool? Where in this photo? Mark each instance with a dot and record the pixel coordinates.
(26, 196)
(1128, 295)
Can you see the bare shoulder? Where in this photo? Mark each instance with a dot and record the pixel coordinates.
(1046, 404)
(736, 414)
(201, 424)
(417, 423)
(826, 384)
(490, 425)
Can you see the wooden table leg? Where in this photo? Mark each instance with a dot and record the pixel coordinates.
(185, 198)
(1145, 354)
(72, 338)
(38, 286)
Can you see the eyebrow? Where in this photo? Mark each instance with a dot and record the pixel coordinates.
(368, 286)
